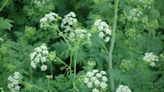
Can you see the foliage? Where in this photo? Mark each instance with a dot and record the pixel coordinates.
(140, 30)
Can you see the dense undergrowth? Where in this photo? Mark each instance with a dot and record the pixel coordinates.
(81, 46)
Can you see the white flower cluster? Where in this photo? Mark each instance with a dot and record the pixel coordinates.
(151, 58)
(123, 88)
(77, 34)
(14, 82)
(105, 30)
(96, 80)
(49, 18)
(69, 20)
(39, 57)
(133, 15)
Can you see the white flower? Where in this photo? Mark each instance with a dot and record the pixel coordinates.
(14, 82)
(38, 49)
(89, 84)
(95, 90)
(48, 18)
(45, 52)
(98, 75)
(39, 56)
(10, 78)
(90, 74)
(44, 67)
(32, 55)
(103, 72)
(43, 59)
(72, 35)
(100, 27)
(97, 22)
(96, 80)
(123, 88)
(43, 47)
(104, 30)
(95, 71)
(93, 78)
(104, 78)
(104, 24)
(108, 31)
(69, 20)
(152, 64)
(103, 85)
(33, 64)
(86, 80)
(37, 59)
(101, 34)
(10, 85)
(150, 58)
(43, 20)
(17, 87)
(107, 39)
(72, 14)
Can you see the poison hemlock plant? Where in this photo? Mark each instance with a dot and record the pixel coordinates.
(81, 46)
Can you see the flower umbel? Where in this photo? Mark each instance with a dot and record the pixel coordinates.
(151, 58)
(104, 30)
(14, 82)
(123, 88)
(96, 80)
(39, 57)
(69, 20)
(49, 18)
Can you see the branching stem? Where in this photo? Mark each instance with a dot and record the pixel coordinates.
(112, 45)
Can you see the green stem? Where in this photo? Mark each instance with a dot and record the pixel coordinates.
(49, 89)
(51, 68)
(112, 45)
(62, 62)
(105, 48)
(75, 61)
(4, 5)
(70, 65)
(65, 39)
(31, 77)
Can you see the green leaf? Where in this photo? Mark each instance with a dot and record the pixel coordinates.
(5, 24)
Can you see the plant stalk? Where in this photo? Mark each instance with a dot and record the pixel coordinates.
(1, 8)
(70, 65)
(112, 45)
(75, 61)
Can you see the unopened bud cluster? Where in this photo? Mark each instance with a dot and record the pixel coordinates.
(133, 15)
(146, 3)
(40, 3)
